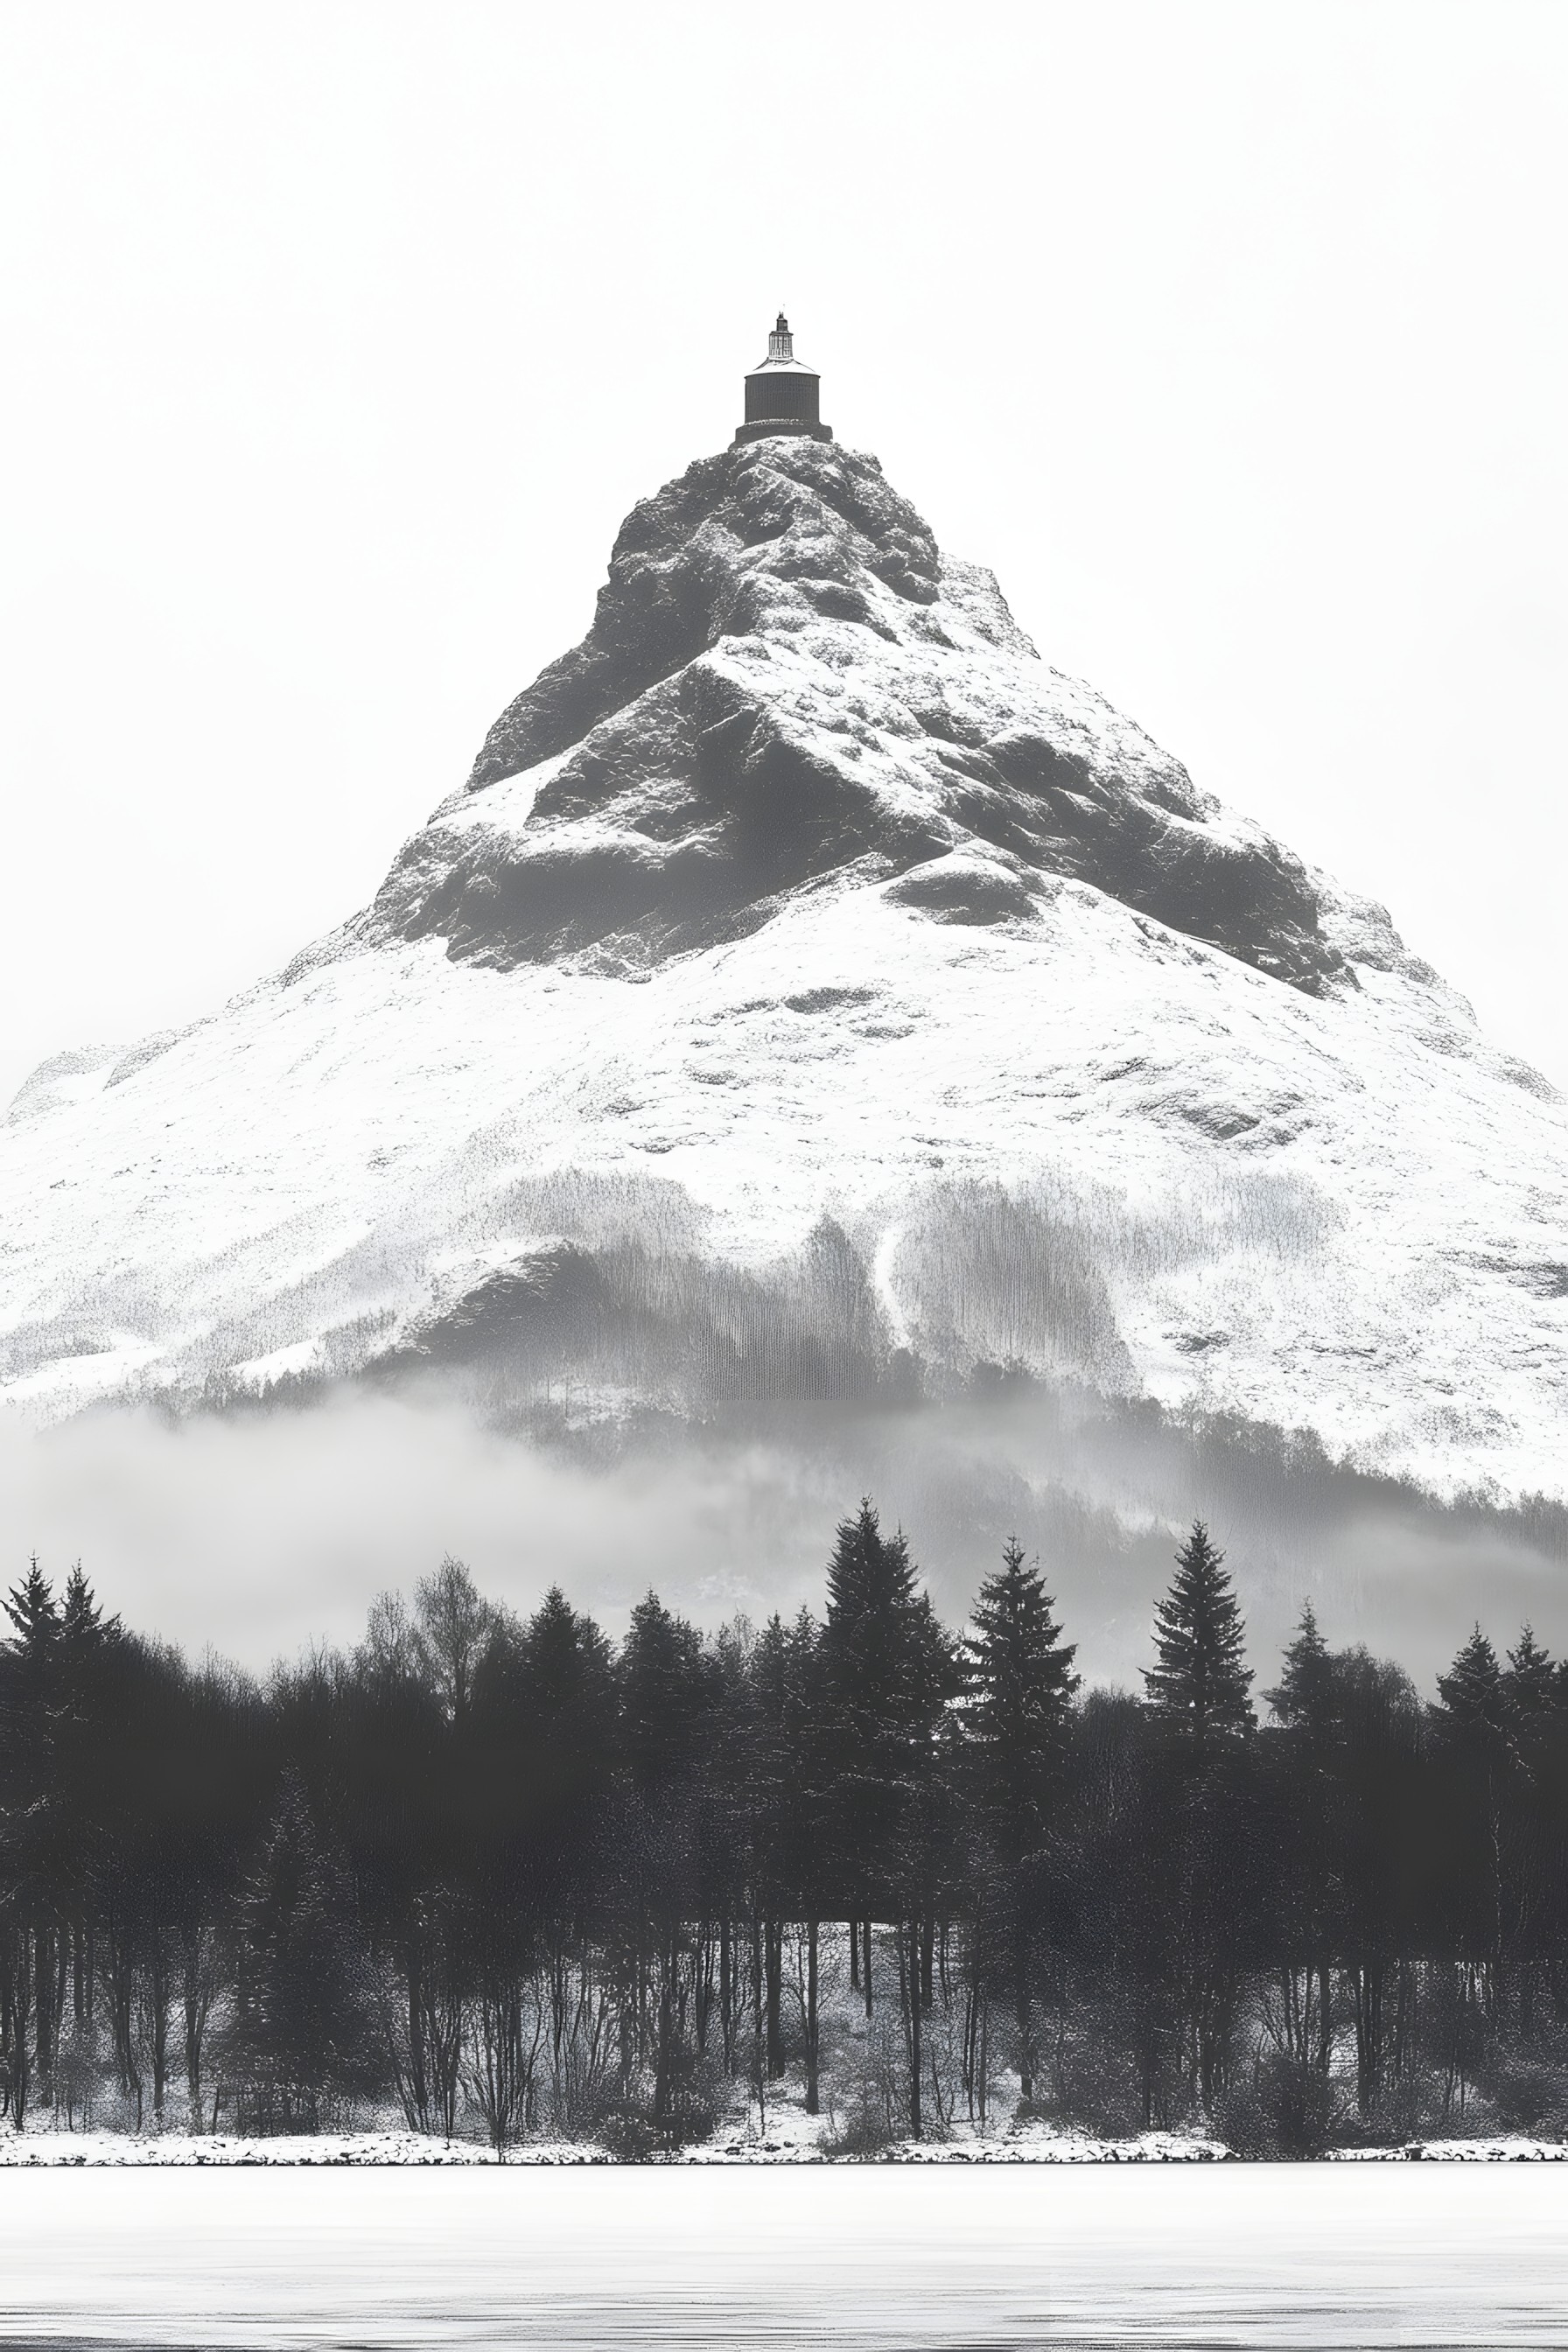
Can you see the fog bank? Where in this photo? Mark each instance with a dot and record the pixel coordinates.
(260, 1532)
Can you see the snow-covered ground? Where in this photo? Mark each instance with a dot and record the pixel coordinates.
(786, 2138)
(1504, 2148)
(871, 2257)
(30, 2147)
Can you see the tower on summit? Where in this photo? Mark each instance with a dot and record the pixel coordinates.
(781, 394)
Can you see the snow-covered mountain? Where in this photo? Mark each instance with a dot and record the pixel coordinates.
(812, 993)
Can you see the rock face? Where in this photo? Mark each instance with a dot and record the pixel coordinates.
(785, 679)
(812, 994)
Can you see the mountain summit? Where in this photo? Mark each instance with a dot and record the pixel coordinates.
(787, 684)
(812, 993)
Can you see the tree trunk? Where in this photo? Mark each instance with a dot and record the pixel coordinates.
(663, 2042)
(18, 2001)
(419, 2086)
(196, 2001)
(910, 1982)
(1367, 1983)
(702, 1986)
(1325, 2019)
(726, 1998)
(759, 2048)
(775, 1991)
(811, 2028)
(43, 2010)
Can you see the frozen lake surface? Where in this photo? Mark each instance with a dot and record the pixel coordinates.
(902, 2259)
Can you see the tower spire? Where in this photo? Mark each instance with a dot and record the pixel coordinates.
(781, 342)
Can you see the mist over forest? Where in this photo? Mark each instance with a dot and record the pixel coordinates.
(258, 1529)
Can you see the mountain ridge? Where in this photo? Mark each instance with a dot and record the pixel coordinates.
(807, 975)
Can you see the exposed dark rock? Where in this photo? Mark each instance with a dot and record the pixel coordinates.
(785, 682)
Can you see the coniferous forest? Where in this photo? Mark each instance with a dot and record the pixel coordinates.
(514, 1880)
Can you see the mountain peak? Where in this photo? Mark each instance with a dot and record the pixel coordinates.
(762, 539)
(813, 995)
(787, 684)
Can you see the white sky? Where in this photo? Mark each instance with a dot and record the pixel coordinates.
(339, 338)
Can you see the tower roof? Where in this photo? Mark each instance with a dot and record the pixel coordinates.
(781, 359)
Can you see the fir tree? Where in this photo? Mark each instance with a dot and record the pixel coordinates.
(1475, 1759)
(1018, 1687)
(1208, 1877)
(569, 1691)
(1531, 1682)
(86, 1647)
(887, 1675)
(35, 1629)
(32, 1723)
(1199, 1686)
(303, 2029)
(82, 1621)
(1472, 1701)
(665, 1689)
(1304, 1698)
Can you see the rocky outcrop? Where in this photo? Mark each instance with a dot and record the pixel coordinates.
(785, 684)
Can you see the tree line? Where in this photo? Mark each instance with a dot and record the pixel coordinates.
(517, 1879)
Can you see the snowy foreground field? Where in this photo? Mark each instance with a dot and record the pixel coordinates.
(789, 2141)
(863, 2257)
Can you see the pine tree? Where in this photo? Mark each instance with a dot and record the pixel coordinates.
(36, 1864)
(35, 1621)
(1197, 1698)
(768, 1755)
(303, 2029)
(1308, 1703)
(1199, 1686)
(665, 1690)
(569, 1691)
(1472, 1701)
(1303, 1699)
(86, 1649)
(871, 1579)
(1471, 1728)
(887, 1672)
(1018, 1687)
(1531, 1682)
(82, 1621)
(30, 1698)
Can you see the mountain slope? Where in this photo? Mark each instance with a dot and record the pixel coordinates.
(813, 992)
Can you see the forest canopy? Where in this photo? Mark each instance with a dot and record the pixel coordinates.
(508, 1879)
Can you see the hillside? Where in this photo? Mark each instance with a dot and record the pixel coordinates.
(812, 993)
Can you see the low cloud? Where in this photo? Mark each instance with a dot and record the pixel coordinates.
(260, 1533)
